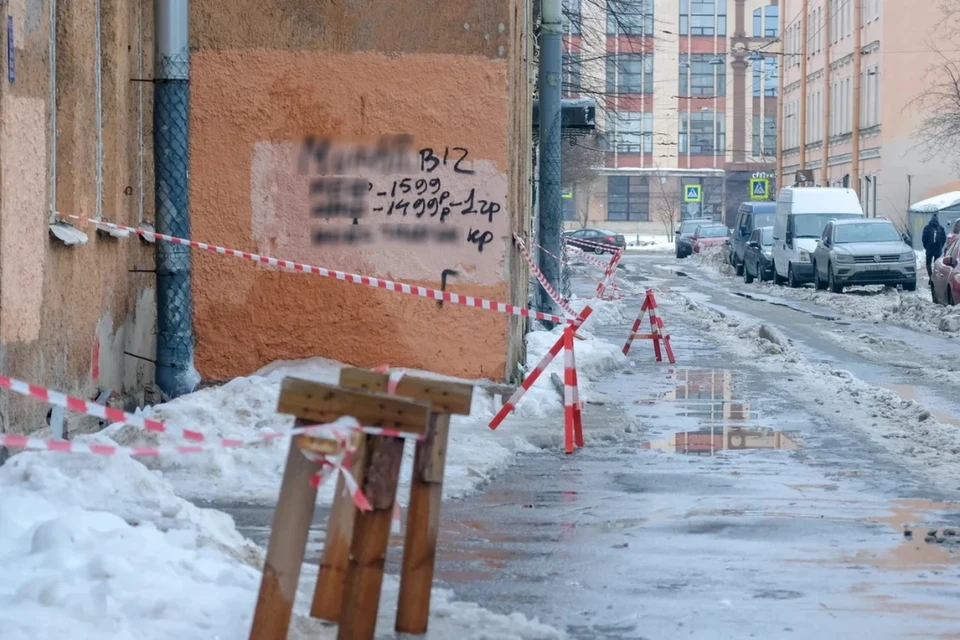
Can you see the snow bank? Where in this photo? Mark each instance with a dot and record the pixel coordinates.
(659, 243)
(101, 548)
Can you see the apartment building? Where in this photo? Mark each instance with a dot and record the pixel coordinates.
(687, 105)
(853, 75)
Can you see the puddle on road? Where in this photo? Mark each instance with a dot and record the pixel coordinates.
(709, 441)
(729, 423)
(909, 392)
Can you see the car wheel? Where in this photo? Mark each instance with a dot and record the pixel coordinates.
(792, 281)
(832, 282)
(818, 283)
(910, 286)
(760, 274)
(679, 255)
(598, 250)
(776, 276)
(740, 268)
(747, 278)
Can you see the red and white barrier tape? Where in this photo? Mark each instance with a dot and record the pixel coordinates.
(511, 404)
(149, 424)
(572, 425)
(586, 257)
(541, 278)
(340, 464)
(377, 283)
(591, 243)
(608, 275)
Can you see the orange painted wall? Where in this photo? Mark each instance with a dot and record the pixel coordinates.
(264, 76)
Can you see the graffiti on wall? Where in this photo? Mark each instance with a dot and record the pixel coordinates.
(413, 209)
(385, 189)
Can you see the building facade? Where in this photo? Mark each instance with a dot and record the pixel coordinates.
(854, 75)
(687, 93)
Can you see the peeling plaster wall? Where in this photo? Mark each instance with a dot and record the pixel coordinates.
(54, 299)
(267, 74)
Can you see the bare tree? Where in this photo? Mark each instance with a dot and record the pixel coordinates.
(938, 134)
(666, 201)
(581, 161)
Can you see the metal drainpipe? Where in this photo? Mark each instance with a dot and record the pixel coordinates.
(175, 374)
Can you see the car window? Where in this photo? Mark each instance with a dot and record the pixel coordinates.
(763, 220)
(712, 232)
(866, 232)
(825, 238)
(767, 237)
(811, 225)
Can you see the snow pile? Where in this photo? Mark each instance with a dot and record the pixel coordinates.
(937, 203)
(608, 312)
(714, 257)
(103, 548)
(661, 243)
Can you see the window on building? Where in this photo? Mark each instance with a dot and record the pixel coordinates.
(633, 131)
(571, 73)
(764, 135)
(701, 78)
(765, 78)
(703, 18)
(630, 17)
(572, 20)
(628, 198)
(703, 133)
(630, 73)
(766, 22)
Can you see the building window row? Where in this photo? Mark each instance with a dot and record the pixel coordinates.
(766, 78)
(703, 17)
(632, 131)
(628, 198)
(703, 133)
(700, 78)
(572, 19)
(629, 73)
(571, 85)
(764, 135)
(630, 17)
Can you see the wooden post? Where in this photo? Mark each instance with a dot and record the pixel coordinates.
(313, 403)
(445, 398)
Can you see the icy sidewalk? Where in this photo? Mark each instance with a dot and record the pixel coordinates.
(105, 547)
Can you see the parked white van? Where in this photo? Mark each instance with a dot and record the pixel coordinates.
(802, 215)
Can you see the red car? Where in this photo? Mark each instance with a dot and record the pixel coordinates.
(709, 236)
(945, 283)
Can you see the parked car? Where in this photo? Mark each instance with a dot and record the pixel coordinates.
(596, 240)
(945, 283)
(750, 217)
(802, 214)
(684, 235)
(709, 235)
(758, 256)
(865, 251)
(952, 236)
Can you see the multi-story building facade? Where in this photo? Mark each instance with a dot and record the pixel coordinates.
(854, 75)
(687, 93)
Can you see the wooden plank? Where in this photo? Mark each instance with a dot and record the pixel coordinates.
(444, 396)
(288, 541)
(371, 536)
(323, 403)
(423, 526)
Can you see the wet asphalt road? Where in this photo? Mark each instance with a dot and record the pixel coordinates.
(669, 532)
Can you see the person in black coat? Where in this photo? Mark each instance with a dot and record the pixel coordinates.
(934, 237)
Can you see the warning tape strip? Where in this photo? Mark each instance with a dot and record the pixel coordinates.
(563, 304)
(586, 257)
(377, 283)
(149, 424)
(609, 274)
(590, 243)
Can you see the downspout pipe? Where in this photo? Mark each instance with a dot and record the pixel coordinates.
(550, 219)
(175, 374)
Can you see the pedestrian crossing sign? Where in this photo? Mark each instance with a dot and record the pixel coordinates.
(759, 188)
(691, 193)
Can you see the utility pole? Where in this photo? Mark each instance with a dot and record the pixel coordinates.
(550, 218)
(827, 96)
(780, 101)
(804, 50)
(857, 70)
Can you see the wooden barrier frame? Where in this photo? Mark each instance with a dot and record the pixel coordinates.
(423, 515)
(316, 403)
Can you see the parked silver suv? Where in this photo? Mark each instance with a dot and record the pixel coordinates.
(860, 251)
